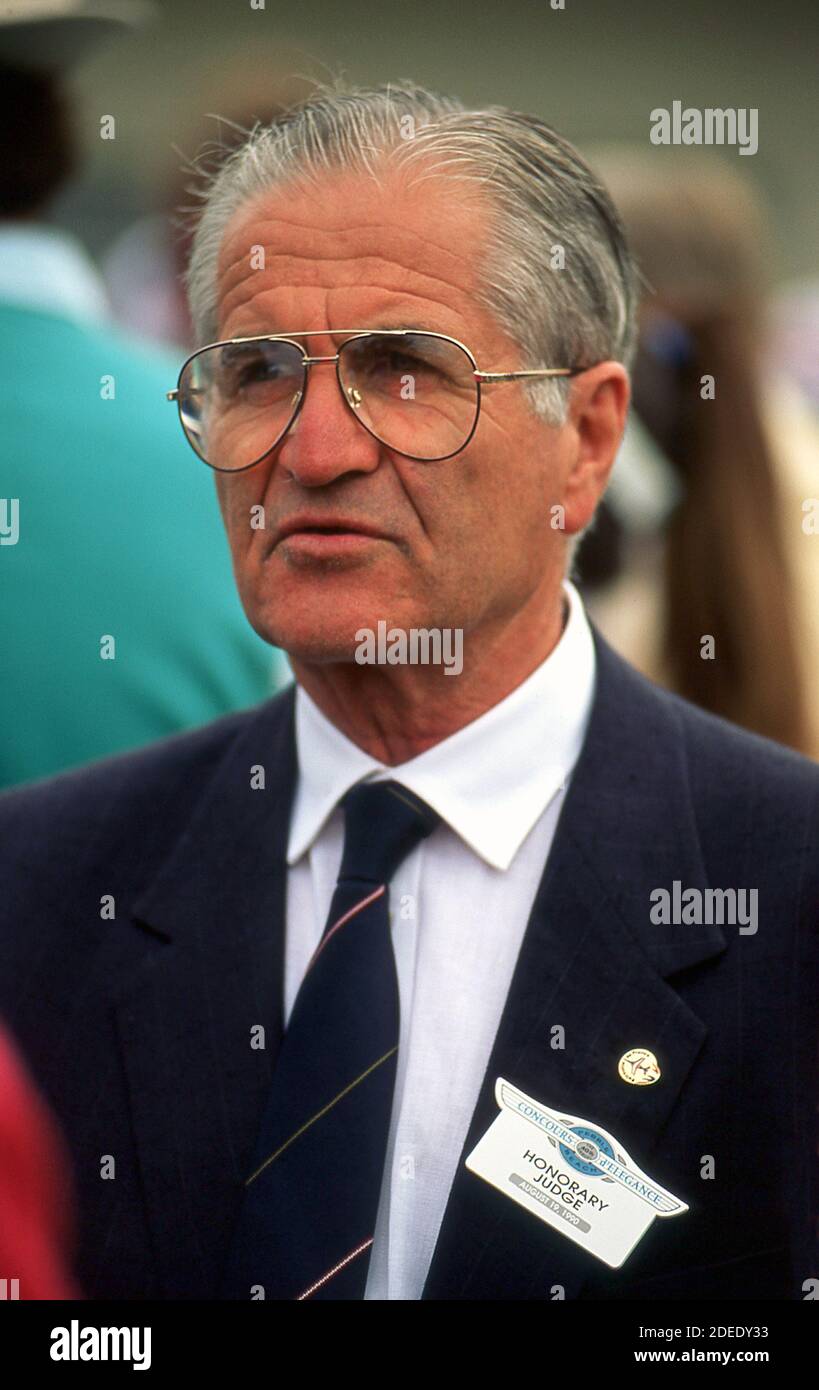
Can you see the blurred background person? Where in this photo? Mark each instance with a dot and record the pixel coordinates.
(719, 548)
(795, 316)
(37, 1214)
(143, 264)
(102, 511)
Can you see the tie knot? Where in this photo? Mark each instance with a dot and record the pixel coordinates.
(383, 822)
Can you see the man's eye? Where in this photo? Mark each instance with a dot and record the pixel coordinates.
(259, 370)
(404, 363)
(250, 373)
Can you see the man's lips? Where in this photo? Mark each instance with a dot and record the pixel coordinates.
(326, 528)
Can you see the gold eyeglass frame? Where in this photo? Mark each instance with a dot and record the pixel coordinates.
(481, 378)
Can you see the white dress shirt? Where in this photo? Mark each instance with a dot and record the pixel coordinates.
(459, 905)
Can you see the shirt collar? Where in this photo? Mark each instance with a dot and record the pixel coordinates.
(47, 269)
(491, 780)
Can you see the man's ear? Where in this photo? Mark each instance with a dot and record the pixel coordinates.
(598, 405)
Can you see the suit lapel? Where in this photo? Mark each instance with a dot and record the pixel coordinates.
(203, 971)
(206, 968)
(592, 962)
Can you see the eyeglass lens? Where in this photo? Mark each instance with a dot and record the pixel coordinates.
(417, 394)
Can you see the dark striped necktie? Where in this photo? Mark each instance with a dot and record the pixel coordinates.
(307, 1218)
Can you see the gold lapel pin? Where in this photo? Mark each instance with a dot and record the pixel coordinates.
(639, 1067)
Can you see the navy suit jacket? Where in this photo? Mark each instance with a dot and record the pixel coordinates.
(138, 1027)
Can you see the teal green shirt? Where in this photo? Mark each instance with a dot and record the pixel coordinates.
(120, 536)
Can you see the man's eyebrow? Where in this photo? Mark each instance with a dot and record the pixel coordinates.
(387, 323)
(382, 324)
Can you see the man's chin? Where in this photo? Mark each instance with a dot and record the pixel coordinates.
(317, 643)
(325, 652)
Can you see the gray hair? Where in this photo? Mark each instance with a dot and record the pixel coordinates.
(545, 198)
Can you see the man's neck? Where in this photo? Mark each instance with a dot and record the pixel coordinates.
(394, 713)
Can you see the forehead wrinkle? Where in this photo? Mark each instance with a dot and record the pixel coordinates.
(426, 285)
(406, 244)
(344, 231)
(241, 272)
(245, 217)
(420, 311)
(229, 258)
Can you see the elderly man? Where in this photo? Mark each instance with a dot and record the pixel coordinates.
(401, 985)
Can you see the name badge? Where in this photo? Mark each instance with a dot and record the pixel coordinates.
(571, 1174)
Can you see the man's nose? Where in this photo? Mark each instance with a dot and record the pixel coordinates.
(325, 441)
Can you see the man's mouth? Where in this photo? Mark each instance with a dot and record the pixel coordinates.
(338, 526)
(326, 531)
(309, 539)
